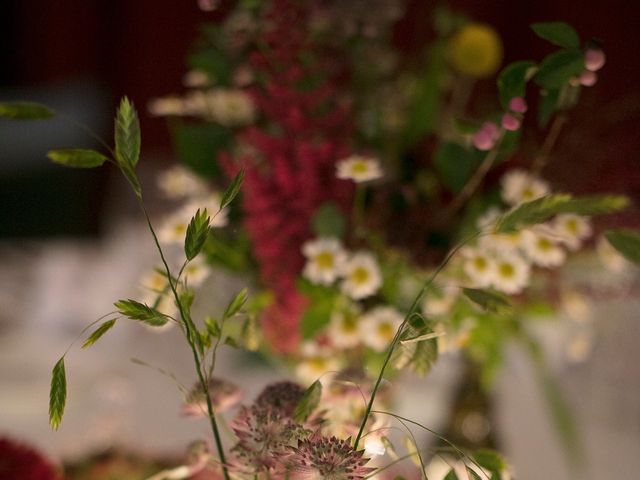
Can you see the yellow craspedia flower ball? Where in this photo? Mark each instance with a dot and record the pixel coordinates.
(475, 50)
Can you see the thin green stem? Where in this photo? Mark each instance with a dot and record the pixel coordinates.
(396, 338)
(190, 335)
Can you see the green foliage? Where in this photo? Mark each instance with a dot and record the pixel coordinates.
(316, 316)
(491, 461)
(197, 144)
(196, 235)
(627, 242)
(213, 327)
(308, 403)
(99, 332)
(548, 104)
(452, 475)
(236, 303)
(328, 221)
(542, 209)
(512, 81)
(77, 157)
(558, 68)
(412, 352)
(139, 311)
(25, 111)
(212, 61)
(493, 302)
(558, 33)
(232, 190)
(455, 164)
(127, 140)
(57, 394)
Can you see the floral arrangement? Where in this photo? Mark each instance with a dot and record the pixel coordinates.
(370, 216)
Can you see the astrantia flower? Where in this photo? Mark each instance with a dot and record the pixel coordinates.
(343, 327)
(179, 182)
(572, 229)
(325, 259)
(282, 396)
(322, 458)
(519, 186)
(511, 273)
(378, 327)
(479, 266)
(224, 395)
(362, 276)
(359, 169)
(22, 462)
(542, 248)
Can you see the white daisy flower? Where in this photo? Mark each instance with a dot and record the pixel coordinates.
(489, 217)
(576, 306)
(519, 186)
(325, 260)
(378, 327)
(231, 108)
(359, 168)
(317, 366)
(542, 248)
(572, 229)
(154, 281)
(511, 274)
(343, 327)
(174, 228)
(439, 301)
(362, 276)
(171, 106)
(179, 182)
(479, 266)
(196, 272)
(500, 242)
(196, 79)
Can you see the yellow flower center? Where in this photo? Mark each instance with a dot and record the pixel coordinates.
(360, 167)
(386, 331)
(324, 260)
(572, 226)
(507, 270)
(544, 244)
(360, 275)
(349, 323)
(480, 263)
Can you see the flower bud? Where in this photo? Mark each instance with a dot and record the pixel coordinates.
(594, 59)
(510, 122)
(518, 105)
(588, 78)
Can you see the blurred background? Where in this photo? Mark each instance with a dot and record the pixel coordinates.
(72, 241)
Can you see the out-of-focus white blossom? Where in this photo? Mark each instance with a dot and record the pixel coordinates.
(179, 182)
(479, 266)
(511, 274)
(439, 301)
(542, 248)
(196, 272)
(362, 277)
(343, 330)
(572, 229)
(325, 260)
(170, 106)
(196, 79)
(359, 168)
(316, 365)
(378, 327)
(519, 186)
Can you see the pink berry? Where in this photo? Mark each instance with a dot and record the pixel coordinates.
(483, 140)
(588, 79)
(518, 105)
(491, 129)
(594, 59)
(510, 122)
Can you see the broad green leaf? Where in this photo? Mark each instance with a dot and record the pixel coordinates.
(77, 157)
(308, 403)
(316, 316)
(558, 33)
(472, 474)
(99, 332)
(236, 303)
(455, 164)
(490, 460)
(627, 242)
(328, 221)
(127, 134)
(452, 475)
(489, 301)
(558, 68)
(512, 81)
(197, 233)
(139, 311)
(531, 213)
(57, 394)
(595, 204)
(25, 111)
(232, 190)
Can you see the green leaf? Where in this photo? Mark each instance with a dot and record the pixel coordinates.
(57, 394)
(197, 144)
(139, 311)
(558, 33)
(472, 474)
(420, 355)
(99, 332)
(308, 403)
(547, 105)
(595, 204)
(328, 221)
(25, 111)
(558, 68)
(77, 157)
(232, 190)
(512, 81)
(490, 460)
(489, 301)
(213, 327)
(452, 475)
(455, 164)
(627, 242)
(236, 303)
(127, 134)
(317, 315)
(196, 235)
(231, 342)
